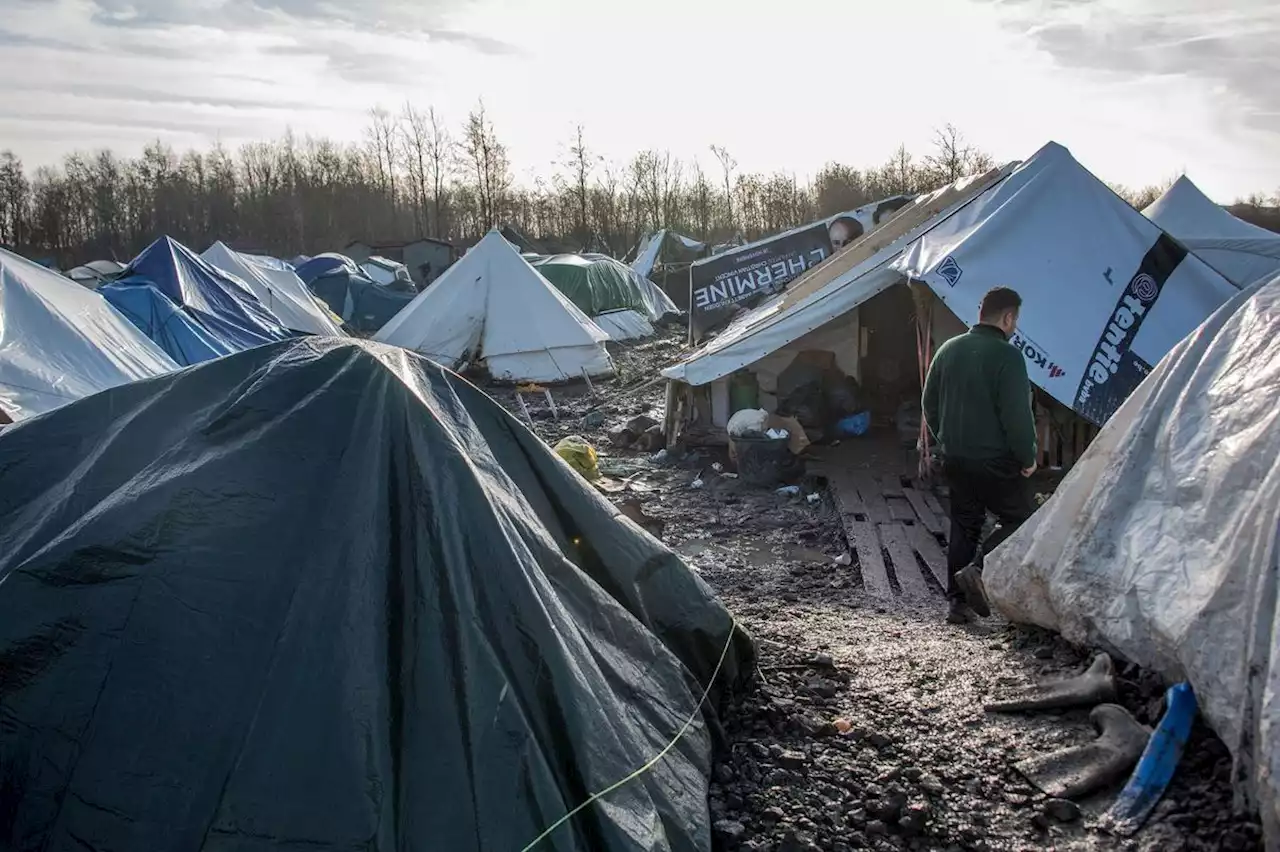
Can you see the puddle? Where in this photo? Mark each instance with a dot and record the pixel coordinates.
(758, 555)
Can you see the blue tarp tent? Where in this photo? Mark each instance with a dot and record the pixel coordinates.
(168, 326)
(363, 304)
(224, 307)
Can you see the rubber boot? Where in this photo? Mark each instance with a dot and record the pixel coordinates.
(1096, 686)
(969, 579)
(959, 613)
(1078, 771)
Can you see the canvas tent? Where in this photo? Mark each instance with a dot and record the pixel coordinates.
(663, 247)
(95, 273)
(617, 298)
(277, 287)
(60, 342)
(1163, 543)
(492, 306)
(221, 304)
(1106, 293)
(413, 628)
(350, 293)
(1244, 253)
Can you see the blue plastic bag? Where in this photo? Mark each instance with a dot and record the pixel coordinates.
(854, 425)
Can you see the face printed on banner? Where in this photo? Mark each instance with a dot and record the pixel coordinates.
(844, 231)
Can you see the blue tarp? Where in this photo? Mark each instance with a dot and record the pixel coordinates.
(225, 308)
(363, 304)
(168, 326)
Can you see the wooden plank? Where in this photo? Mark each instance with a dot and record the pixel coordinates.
(846, 492)
(890, 485)
(923, 542)
(931, 500)
(903, 557)
(872, 498)
(865, 543)
(900, 509)
(928, 518)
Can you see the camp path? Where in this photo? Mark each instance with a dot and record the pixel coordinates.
(921, 766)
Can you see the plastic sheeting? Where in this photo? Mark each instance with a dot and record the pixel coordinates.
(60, 341)
(624, 325)
(666, 247)
(1163, 542)
(155, 315)
(412, 628)
(221, 304)
(277, 287)
(1244, 253)
(492, 306)
(598, 285)
(350, 293)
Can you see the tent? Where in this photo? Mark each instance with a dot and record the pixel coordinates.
(666, 247)
(492, 306)
(221, 304)
(1163, 543)
(153, 313)
(95, 273)
(389, 273)
(277, 287)
(1106, 293)
(413, 628)
(60, 341)
(1244, 253)
(621, 301)
(350, 293)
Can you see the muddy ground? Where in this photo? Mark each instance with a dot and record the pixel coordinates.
(921, 766)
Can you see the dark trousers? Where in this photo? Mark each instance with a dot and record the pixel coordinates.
(978, 487)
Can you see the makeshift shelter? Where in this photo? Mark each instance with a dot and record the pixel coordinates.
(340, 283)
(277, 287)
(60, 342)
(153, 313)
(1163, 543)
(219, 303)
(664, 258)
(1092, 272)
(95, 273)
(389, 273)
(425, 258)
(1244, 253)
(622, 302)
(328, 595)
(493, 307)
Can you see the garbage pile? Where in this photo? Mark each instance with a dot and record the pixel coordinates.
(326, 594)
(821, 398)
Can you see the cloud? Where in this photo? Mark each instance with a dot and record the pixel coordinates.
(152, 95)
(1234, 49)
(9, 38)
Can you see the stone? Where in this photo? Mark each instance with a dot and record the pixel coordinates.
(621, 437)
(930, 784)
(651, 439)
(1062, 810)
(914, 820)
(593, 419)
(730, 831)
(877, 827)
(774, 814)
(793, 759)
(724, 773)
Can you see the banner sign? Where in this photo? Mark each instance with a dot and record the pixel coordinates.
(722, 285)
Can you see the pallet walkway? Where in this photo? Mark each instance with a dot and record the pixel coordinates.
(895, 525)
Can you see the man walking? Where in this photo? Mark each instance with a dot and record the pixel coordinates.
(977, 404)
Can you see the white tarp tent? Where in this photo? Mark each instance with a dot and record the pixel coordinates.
(1105, 292)
(1244, 253)
(649, 252)
(1163, 542)
(60, 341)
(279, 289)
(95, 272)
(493, 306)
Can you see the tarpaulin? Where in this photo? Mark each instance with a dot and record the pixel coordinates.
(327, 595)
(171, 328)
(222, 304)
(363, 304)
(598, 285)
(1163, 542)
(60, 341)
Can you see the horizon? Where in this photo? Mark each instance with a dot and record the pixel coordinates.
(1188, 90)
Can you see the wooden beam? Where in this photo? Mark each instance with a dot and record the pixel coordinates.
(923, 542)
(872, 498)
(900, 509)
(928, 518)
(865, 543)
(903, 557)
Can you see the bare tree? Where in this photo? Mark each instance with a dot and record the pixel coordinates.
(578, 167)
(953, 157)
(727, 165)
(382, 140)
(486, 160)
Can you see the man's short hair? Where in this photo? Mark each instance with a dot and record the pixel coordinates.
(997, 301)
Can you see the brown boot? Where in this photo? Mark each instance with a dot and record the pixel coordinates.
(975, 594)
(959, 613)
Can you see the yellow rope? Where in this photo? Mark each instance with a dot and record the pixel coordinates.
(652, 763)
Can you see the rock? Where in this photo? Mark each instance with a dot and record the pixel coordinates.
(651, 439)
(724, 773)
(878, 740)
(1062, 810)
(930, 784)
(1040, 823)
(774, 814)
(730, 831)
(824, 661)
(621, 437)
(640, 424)
(877, 827)
(593, 419)
(793, 759)
(1044, 652)
(914, 820)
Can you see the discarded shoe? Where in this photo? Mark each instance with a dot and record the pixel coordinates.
(959, 613)
(1077, 771)
(969, 579)
(1096, 686)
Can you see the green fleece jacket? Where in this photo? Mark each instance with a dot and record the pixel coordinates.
(977, 398)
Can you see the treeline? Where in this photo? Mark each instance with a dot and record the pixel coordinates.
(415, 176)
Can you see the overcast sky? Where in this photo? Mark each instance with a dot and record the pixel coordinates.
(1139, 90)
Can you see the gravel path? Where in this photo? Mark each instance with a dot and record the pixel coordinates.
(865, 727)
